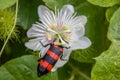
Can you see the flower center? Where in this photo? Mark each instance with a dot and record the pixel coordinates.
(60, 36)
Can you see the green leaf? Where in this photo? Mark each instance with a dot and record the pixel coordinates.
(107, 65)
(50, 76)
(54, 3)
(27, 14)
(104, 3)
(110, 11)
(114, 28)
(6, 3)
(23, 68)
(95, 28)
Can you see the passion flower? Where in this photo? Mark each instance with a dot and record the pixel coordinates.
(63, 28)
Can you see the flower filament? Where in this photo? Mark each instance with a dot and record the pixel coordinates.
(60, 35)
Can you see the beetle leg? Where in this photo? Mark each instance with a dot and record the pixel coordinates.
(67, 47)
(44, 45)
(63, 59)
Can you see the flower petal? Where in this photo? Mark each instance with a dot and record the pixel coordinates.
(82, 43)
(44, 50)
(65, 13)
(80, 31)
(77, 33)
(33, 44)
(68, 8)
(36, 30)
(60, 62)
(42, 10)
(79, 20)
(47, 17)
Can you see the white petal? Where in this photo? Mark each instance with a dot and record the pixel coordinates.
(47, 17)
(74, 37)
(83, 19)
(77, 33)
(65, 13)
(66, 53)
(79, 20)
(42, 10)
(44, 50)
(69, 8)
(80, 31)
(33, 44)
(36, 31)
(60, 62)
(82, 43)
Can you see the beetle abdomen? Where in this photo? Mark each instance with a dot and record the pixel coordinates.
(48, 61)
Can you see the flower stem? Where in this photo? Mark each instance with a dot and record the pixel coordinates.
(11, 29)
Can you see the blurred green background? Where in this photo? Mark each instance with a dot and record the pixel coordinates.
(101, 61)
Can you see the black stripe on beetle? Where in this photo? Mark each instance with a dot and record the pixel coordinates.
(47, 62)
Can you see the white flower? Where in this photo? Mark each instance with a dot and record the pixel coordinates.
(62, 27)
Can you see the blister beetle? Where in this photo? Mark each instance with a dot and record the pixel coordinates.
(47, 62)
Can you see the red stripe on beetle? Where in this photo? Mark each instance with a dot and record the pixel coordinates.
(49, 67)
(61, 49)
(53, 55)
(44, 63)
(41, 62)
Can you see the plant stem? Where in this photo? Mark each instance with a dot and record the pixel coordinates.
(11, 29)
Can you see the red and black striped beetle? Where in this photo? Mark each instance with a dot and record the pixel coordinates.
(47, 62)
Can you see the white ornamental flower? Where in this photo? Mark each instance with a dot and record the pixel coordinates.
(62, 28)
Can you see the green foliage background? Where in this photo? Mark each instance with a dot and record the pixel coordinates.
(101, 61)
